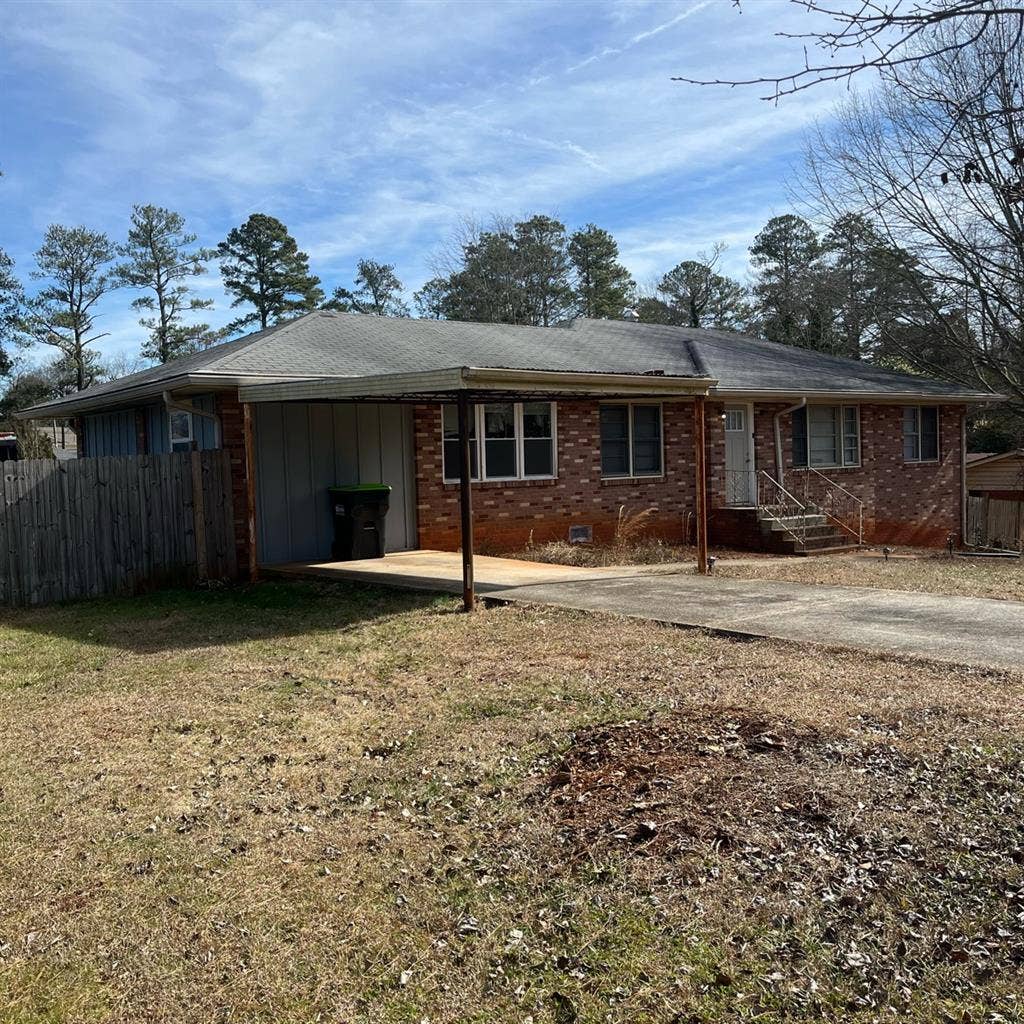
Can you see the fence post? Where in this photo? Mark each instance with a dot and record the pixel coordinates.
(199, 516)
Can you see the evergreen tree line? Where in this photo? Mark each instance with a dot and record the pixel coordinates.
(842, 290)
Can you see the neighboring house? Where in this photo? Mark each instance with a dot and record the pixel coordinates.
(62, 436)
(8, 447)
(569, 425)
(999, 476)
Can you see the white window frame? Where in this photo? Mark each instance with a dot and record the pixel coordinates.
(172, 440)
(842, 463)
(631, 475)
(917, 434)
(481, 441)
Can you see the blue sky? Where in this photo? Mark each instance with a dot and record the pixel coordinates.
(372, 129)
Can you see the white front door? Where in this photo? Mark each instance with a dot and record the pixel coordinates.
(739, 455)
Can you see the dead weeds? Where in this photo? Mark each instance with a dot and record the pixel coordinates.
(301, 802)
(927, 572)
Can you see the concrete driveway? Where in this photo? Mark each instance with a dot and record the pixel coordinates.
(964, 630)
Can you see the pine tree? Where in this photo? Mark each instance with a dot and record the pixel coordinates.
(160, 259)
(378, 291)
(541, 252)
(604, 286)
(785, 257)
(262, 266)
(11, 299)
(74, 263)
(702, 297)
(432, 300)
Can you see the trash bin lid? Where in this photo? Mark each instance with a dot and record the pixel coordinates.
(361, 489)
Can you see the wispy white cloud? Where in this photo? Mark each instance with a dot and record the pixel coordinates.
(640, 37)
(370, 129)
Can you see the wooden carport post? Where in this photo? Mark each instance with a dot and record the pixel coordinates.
(466, 502)
(700, 468)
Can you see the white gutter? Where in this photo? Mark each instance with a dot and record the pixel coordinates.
(778, 436)
(470, 378)
(134, 394)
(868, 397)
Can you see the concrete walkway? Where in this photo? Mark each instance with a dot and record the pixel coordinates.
(971, 631)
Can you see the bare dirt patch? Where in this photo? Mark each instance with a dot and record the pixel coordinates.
(690, 779)
(861, 862)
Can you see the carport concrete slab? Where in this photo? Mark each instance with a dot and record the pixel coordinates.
(442, 570)
(963, 630)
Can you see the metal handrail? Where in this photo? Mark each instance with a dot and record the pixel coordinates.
(855, 531)
(769, 509)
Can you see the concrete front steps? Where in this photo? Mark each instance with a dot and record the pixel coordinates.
(815, 535)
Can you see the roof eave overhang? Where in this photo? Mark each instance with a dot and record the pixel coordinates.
(1017, 453)
(440, 385)
(186, 383)
(851, 395)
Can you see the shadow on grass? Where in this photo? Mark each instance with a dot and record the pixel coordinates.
(187, 618)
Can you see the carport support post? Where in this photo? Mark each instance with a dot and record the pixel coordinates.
(701, 482)
(466, 501)
(250, 490)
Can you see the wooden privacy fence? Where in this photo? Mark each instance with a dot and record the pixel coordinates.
(995, 523)
(88, 527)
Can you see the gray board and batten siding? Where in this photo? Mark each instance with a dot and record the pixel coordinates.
(304, 448)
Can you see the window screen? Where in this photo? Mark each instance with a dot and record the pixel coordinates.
(615, 440)
(538, 454)
(451, 443)
(921, 433)
(646, 440)
(630, 440)
(500, 441)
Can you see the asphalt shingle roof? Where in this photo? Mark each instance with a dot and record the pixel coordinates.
(323, 343)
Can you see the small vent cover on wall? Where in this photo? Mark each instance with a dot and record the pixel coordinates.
(581, 534)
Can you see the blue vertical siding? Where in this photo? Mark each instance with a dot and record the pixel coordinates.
(158, 430)
(204, 430)
(111, 433)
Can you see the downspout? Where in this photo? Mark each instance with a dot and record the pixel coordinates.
(963, 479)
(171, 403)
(778, 436)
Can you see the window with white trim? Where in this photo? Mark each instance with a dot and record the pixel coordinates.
(921, 433)
(631, 440)
(508, 441)
(181, 430)
(826, 436)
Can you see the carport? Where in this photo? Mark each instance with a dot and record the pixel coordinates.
(466, 387)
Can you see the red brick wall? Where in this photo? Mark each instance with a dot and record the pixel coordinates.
(505, 515)
(904, 502)
(228, 408)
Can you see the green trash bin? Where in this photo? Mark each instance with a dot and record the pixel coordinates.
(359, 512)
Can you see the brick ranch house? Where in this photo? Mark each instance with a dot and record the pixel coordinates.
(565, 426)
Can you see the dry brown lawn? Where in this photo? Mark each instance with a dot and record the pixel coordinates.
(300, 802)
(929, 573)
